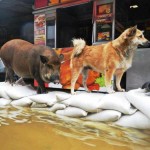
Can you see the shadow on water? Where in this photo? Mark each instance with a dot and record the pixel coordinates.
(91, 134)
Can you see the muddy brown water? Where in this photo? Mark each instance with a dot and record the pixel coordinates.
(33, 129)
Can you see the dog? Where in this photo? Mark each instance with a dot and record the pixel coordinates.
(112, 58)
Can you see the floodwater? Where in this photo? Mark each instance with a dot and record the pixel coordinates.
(33, 129)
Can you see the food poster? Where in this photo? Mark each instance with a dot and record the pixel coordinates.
(95, 80)
(53, 2)
(40, 29)
(104, 23)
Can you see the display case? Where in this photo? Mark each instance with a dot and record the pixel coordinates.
(139, 73)
(104, 17)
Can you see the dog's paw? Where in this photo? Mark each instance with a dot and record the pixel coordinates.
(73, 93)
(88, 91)
(121, 90)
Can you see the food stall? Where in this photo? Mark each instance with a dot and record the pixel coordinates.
(56, 23)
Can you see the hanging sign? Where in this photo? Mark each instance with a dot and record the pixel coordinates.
(40, 29)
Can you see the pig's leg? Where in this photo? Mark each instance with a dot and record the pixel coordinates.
(41, 87)
(9, 76)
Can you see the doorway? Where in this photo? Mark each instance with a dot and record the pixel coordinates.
(74, 22)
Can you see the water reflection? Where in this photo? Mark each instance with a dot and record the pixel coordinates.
(90, 134)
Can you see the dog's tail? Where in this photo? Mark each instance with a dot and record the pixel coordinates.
(79, 45)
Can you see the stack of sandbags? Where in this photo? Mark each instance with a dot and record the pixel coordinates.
(16, 95)
(141, 119)
(99, 107)
(128, 109)
(4, 98)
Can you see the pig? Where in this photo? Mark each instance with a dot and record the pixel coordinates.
(28, 60)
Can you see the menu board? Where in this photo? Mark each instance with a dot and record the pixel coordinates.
(104, 22)
(40, 29)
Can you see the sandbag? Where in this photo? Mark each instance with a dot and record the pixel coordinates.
(3, 88)
(48, 99)
(117, 101)
(86, 101)
(38, 105)
(19, 91)
(24, 102)
(56, 107)
(137, 120)
(4, 102)
(104, 116)
(20, 81)
(148, 94)
(61, 96)
(72, 112)
(140, 100)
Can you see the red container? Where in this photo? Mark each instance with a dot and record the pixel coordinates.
(40, 3)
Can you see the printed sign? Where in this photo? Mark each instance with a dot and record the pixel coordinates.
(104, 22)
(40, 29)
(104, 13)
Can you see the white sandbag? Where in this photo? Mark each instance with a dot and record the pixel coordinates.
(148, 94)
(3, 88)
(72, 112)
(24, 102)
(56, 107)
(61, 96)
(104, 116)
(117, 101)
(86, 101)
(48, 99)
(137, 120)
(20, 81)
(38, 105)
(140, 100)
(4, 102)
(19, 91)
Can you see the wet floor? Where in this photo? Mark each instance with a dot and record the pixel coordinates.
(32, 129)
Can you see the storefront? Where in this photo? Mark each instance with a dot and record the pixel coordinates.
(57, 22)
(87, 19)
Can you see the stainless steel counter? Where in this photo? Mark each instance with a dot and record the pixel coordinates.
(140, 70)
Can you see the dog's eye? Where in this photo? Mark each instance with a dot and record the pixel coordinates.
(140, 36)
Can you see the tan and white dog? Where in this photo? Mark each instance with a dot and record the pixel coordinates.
(112, 58)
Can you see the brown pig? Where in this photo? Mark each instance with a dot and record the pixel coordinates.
(30, 61)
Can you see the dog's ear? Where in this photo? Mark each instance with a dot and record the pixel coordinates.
(132, 31)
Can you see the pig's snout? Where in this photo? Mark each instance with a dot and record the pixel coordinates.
(55, 79)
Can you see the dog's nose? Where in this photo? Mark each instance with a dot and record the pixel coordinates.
(146, 44)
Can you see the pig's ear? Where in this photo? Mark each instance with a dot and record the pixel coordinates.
(61, 57)
(44, 59)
